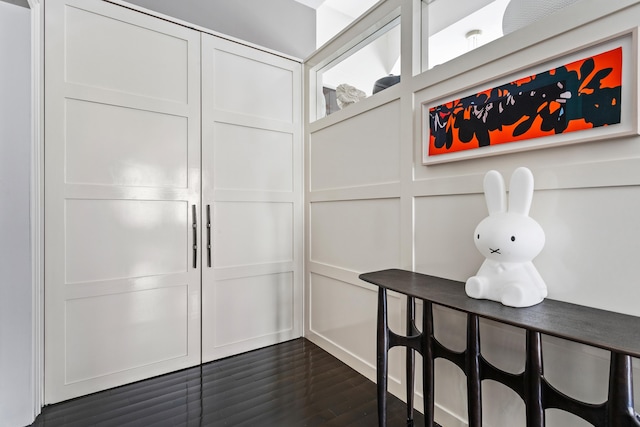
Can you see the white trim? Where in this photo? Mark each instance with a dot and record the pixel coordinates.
(36, 207)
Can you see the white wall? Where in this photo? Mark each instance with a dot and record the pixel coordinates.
(372, 204)
(15, 257)
(333, 21)
(282, 25)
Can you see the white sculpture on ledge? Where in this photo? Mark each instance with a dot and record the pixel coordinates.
(347, 95)
(509, 240)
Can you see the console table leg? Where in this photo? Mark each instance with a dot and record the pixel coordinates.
(533, 379)
(382, 356)
(410, 362)
(620, 404)
(474, 393)
(427, 362)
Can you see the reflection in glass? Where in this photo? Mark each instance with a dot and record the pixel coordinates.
(367, 68)
(455, 27)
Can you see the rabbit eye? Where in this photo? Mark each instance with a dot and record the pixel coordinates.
(513, 238)
(478, 236)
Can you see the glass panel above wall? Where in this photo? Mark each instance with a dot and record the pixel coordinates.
(360, 71)
(451, 28)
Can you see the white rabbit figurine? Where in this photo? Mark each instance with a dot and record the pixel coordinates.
(509, 240)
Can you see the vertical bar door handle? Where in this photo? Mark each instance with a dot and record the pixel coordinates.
(208, 235)
(194, 225)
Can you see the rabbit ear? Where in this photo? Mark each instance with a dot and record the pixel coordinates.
(494, 192)
(521, 191)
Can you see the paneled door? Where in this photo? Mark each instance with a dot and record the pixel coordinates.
(122, 170)
(251, 198)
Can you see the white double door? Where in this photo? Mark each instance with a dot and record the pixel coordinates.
(172, 197)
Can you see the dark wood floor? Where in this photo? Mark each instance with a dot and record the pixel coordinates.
(293, 384)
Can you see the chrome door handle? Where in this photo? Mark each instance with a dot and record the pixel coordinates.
(208, 235)
(194, 225)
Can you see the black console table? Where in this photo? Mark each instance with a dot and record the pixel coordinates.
(617, 333)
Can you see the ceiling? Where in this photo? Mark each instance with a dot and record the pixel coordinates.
(23, 3)
(352, 8)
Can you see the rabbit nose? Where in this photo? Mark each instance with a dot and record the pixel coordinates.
(495, 251)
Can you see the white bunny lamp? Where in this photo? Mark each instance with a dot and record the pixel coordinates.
(510, 240)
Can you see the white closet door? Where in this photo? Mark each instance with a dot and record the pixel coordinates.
(252, 186)
(122, 160)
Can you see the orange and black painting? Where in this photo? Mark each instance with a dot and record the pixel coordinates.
(581, 95)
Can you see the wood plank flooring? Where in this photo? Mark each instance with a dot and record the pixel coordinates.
(293, 384)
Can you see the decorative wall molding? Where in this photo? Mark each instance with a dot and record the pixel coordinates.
(37, 204)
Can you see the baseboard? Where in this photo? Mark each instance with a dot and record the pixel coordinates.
(442, 415)
(446, 418)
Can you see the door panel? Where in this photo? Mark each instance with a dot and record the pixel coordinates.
(249, 233)
(252, 294)
(122, 146)
(122, 172)
(142, 316)
(251, 83)
(251, 159)
(128, 238)
(252, 176)
(134, 58)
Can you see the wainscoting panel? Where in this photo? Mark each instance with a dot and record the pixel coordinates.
(444, 228)
(344, 315)
(360, 235)
(362, 151)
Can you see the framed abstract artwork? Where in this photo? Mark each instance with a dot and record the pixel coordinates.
(571, 100)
